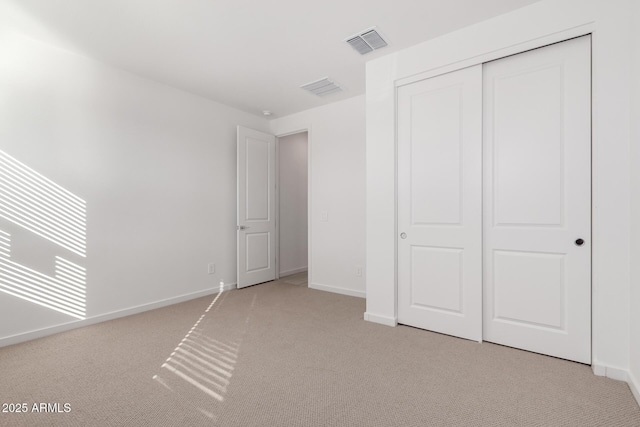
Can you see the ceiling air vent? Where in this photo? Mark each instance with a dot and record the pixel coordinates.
(367, 41)
(322, 87)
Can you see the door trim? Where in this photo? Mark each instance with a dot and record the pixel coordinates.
(536, 43)
(294, 131)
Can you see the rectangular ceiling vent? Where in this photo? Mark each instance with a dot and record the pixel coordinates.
(322, 87)
(367, 41)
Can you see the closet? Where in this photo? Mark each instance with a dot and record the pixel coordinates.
(494, 201)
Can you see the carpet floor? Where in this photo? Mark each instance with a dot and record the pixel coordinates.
(281, 354)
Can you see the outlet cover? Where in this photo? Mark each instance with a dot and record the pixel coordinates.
(212, 268)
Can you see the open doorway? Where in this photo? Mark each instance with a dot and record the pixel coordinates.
(272, 211)
(292, 203)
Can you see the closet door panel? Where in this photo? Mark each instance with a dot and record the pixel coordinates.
(537, 200)
(439, 204)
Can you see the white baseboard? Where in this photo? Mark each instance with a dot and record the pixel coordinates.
(612, 372)
(599, 370)
(383, 320)
(294, 271)
(39, 333)
(338, 290)
(619, 374)
(634, 385)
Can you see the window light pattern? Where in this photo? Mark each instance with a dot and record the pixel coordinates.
(65, 293)
(41, 206)
(201, 367)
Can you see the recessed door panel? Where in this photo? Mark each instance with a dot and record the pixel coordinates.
(529, 154)
(258, 251)
(435, 156)
(529, 288)
(257, 176)
(436, 279)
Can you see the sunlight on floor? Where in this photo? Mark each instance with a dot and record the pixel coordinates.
(205, 361)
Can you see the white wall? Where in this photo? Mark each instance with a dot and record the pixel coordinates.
(634, 301)
(337, 188)
(156, 167)
(292, 164)
(541, 23)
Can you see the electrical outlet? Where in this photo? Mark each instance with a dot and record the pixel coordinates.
(324, 216)
(212, 268)
(358, 271)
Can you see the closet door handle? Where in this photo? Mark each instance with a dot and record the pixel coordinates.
(579, 242)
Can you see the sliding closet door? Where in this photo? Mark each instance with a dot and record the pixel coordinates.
(439, 204)
(537, 201)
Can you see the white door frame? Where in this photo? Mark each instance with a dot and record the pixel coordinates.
(278, 136)
(529, 27)
(481, 59)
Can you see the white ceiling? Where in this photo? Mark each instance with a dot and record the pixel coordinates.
(249, 54)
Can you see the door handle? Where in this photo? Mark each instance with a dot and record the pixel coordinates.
(242, 227)
(403, 235)
(579, 242)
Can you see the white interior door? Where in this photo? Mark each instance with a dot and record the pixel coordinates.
(537, 200)
(256, 207)
(440, 204)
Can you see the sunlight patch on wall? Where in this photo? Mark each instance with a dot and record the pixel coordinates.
(65, 293)
(41, 206)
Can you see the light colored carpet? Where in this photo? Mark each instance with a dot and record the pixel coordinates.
(284, 355)
(296, 279)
